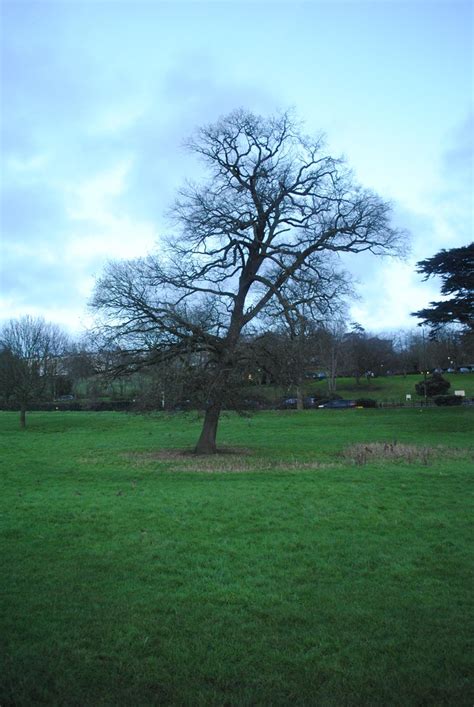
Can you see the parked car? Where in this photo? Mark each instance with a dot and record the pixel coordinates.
(292, 403)
(311, 402)
(338, 404)
(288, 404)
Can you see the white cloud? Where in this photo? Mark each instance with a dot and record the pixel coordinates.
(115, 238)
(90, 199)
(26, 165)
(102, 227)
(389, 296)
(112, 121)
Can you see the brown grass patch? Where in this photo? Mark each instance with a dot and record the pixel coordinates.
(227, 460)
(187, 453)
(361, 454)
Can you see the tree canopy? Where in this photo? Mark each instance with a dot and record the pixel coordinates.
(274, 209)
(29, 352)
(455, 267)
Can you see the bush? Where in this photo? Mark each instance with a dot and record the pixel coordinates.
(15, 406)
(109, 406)
(366, 403)
(435, 385)
(71, 406)
(448, 400)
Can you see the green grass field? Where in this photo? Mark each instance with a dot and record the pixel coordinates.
(394, 388)
(384, 389)
(296, 569)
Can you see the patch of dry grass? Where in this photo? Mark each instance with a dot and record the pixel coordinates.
(365, 453)
(227, 460)
(242, 459)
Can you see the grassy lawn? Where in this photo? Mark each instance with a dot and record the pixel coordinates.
(384, 388)
(287, 572)
(394, 388)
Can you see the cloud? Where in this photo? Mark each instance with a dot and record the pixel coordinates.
(453, 205)
(389, 295)
(389, 290)
(97, 101)
(95, 191)
(192, 92)
(29, 210)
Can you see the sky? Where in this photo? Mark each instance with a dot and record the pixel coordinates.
(98, 98)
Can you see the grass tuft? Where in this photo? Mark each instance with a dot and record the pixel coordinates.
(364, 453)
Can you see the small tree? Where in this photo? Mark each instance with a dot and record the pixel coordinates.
(329, 342)
(274, 205)
(433, 385)
(29, 351)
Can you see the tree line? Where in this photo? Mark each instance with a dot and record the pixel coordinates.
(40, 363)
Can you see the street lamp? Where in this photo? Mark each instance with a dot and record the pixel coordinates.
(424, 364)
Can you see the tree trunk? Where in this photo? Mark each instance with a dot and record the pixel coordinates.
(23, 417)
(299, 398)
(331, 383)
(207, 441)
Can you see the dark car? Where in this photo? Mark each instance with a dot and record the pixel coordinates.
(338, 404)
(292, 403)
(288, 404)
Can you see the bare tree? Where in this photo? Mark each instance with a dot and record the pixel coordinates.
(274, 204)
(330, 341)
(303, 308)
(29, 349)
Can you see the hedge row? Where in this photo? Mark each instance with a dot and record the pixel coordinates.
(130, 405)
(74, 406)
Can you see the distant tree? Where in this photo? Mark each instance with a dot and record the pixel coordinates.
(405, 359)
(8, 362)
(329, 347)
(275, 204)
(176, 384)
(433, 385)
(447, 347)
(79, 362)
(29, 352)
(356, 349)
(283, 356)
(455, 267)
(366, 354)
(301, 310)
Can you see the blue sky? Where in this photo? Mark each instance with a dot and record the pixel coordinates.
(98, 98)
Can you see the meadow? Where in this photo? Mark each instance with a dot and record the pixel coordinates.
(384, 389)
(322, 558)
(395, 388)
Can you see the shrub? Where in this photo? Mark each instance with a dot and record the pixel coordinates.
(109, 405)
(435, 385)
(448, 400)
(366, 403)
